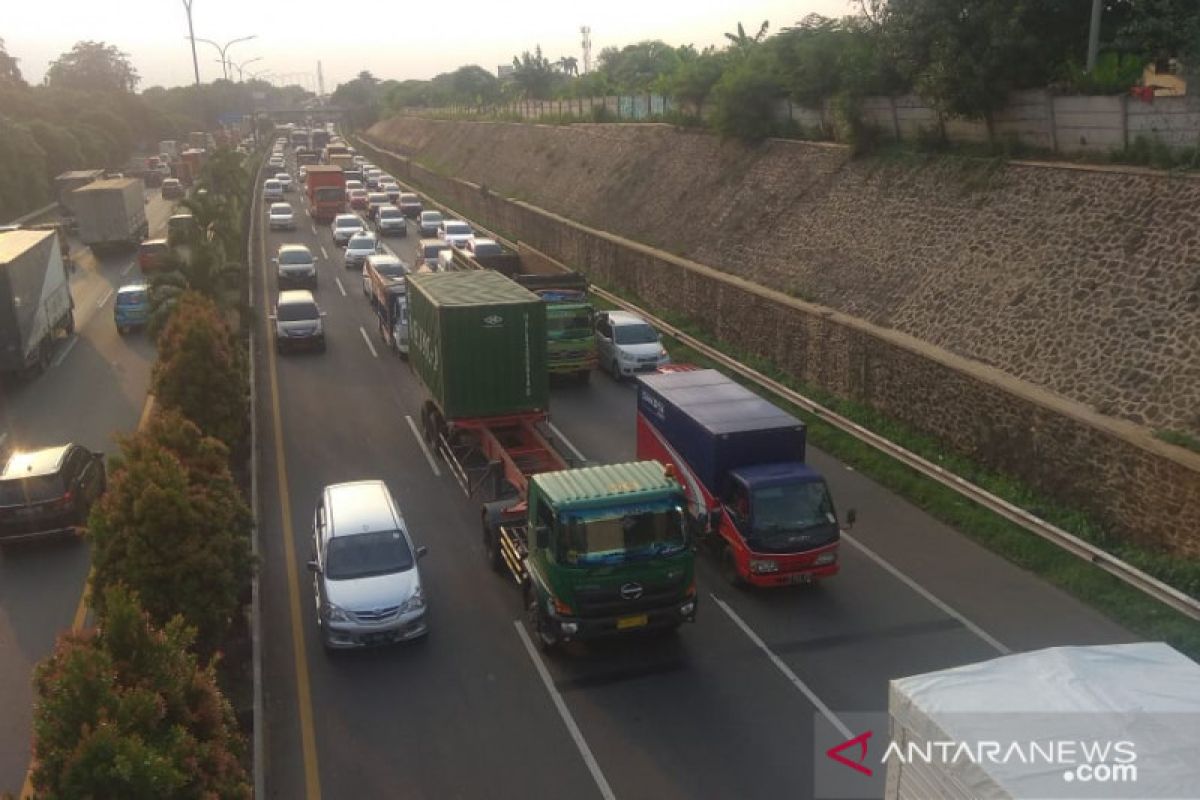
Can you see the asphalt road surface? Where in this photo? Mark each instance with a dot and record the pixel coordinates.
(724, 709)
(95, 388)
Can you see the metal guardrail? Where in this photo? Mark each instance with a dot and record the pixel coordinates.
(1129, 574)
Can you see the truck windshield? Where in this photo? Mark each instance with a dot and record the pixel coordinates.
(781, 512)
(366, 554)
(587, 540)
(574, 323)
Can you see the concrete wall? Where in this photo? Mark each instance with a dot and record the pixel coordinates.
(1145, 490)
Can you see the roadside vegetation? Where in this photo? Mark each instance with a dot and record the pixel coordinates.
(154, 699)
(962, 58)
(89, 115)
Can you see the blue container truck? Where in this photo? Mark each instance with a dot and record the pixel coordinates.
(766, 514)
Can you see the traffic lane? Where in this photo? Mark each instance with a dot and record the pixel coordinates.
(470, 686)
(866, 617)
(96, 386)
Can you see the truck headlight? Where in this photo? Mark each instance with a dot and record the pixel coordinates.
(761, 566)
(828, 557)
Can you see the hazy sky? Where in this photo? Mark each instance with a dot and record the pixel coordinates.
(386, 37)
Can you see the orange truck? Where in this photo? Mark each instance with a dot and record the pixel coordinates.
(326, 188)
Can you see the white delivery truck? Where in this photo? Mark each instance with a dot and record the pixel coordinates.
(111, 212)
(35, 300)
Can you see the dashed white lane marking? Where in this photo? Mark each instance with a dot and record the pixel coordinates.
(66, 351)
(128, 268)
(104, 300)
(324, 254)
(367, 339)
(570, 446)
(341, 288)
(424, 447)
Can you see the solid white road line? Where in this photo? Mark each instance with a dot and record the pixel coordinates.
(784, 668)
(424, 447)
(324, 255)
(563, 437)
(367, 339)
(564, 712)
(104, 300)
(66, 351)
(341, 288)
(128, 268)
(921, 590)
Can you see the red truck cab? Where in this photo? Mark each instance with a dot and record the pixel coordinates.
(740, 459)
(326, 189)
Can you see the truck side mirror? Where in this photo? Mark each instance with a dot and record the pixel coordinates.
(851, 518)
(541, 537)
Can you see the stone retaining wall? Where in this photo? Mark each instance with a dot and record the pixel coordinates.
(1142, 488)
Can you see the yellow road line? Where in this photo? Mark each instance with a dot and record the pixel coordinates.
(82, 609)
(308, 739)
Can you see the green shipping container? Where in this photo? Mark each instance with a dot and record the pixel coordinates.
(478, 341)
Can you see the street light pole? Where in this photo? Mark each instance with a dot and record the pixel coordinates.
(240, 67)
(1094, 36)
(221, 49)
(187, 6)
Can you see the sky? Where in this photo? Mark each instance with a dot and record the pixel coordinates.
(383, 36)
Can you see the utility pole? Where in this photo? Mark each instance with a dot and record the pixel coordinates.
(320, 81)
(1094, 36)
(187, 6)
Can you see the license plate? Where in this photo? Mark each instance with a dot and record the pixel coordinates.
(636, 621)
(800, 577)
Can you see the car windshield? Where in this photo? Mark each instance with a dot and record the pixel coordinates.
(603, 538)
(365, 554)
(791, 508)
(458, 229)
(378, 198)
(432, 250)
(390, 213)
(350, 221)
(298, 312)
(295, 257)
(637, 333)
(487, 249)
(431, 217)
(409, 199)
(568, 324)
(361, 242)
(36, 489)
(391, 269)
(282, 177)
(130, 298)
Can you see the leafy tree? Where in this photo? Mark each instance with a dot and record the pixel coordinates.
(127, 711)
(693, 80)
(1155, 30)
(200, 371)
(10, 73)
(361, 99)
(62, 149)
(173, 527)
(23, 185)
(115, 128)
(473, 85)
(569, 65)
(638, 67)
(746, 97)
(93, 67)
(534, 73)
(740, 41)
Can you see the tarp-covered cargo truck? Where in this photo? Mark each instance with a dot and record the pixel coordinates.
(605, 549)
(111, 212)
(767, 515)
(1103, 721)
(35, 299)
(570, 341)
(68, 182)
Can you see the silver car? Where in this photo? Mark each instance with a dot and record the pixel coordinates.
(298, 322)
(626, 344)
(390, 220)
(344, 226)
(429, 222)
(295, 266)
(280, 217)
(359, 247)
(455, 232)
(366, 581)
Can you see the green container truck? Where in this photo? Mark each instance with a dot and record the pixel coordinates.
(478, 342)
(606, 550)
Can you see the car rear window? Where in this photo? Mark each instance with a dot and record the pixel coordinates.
(409, 199)
(487, 250)
(431, 250)
(131, 298)
(296, 312)
(458, 228)
(155, 249)
(273, 184)
(281, 208)
(361, 242)
(390, 213)
(37, 489)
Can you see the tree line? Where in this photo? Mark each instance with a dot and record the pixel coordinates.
(136, 705)
(961, 56)
(88, 114)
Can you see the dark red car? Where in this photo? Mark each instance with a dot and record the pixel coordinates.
(358, 199)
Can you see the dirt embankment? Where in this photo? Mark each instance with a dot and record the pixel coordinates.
(1084, 281)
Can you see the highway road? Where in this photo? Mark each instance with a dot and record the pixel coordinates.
(724, 709)
(95, 388)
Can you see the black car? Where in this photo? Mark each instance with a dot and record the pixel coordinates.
(49, 491)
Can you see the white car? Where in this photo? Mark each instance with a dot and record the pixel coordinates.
(344, 226)
(390, 220)
(626, 344)
(280, 217)
(272, 190)
(351, 185)
(361, 245)
(455, 232)
(296, 266)
(276, 163)
(286, 180)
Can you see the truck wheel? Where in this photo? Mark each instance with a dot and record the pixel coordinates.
(491, 545)
(535, 618)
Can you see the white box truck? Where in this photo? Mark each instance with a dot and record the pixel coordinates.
(35, 299)
(1106, 721)
(111, 212)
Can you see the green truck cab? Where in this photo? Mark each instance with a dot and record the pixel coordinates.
(599, 551)
(570, 340)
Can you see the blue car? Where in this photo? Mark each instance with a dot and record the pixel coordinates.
(132, 307)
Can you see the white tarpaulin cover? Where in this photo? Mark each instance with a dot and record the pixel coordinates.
(1147, 695)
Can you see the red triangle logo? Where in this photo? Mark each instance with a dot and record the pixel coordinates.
(860, 742)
